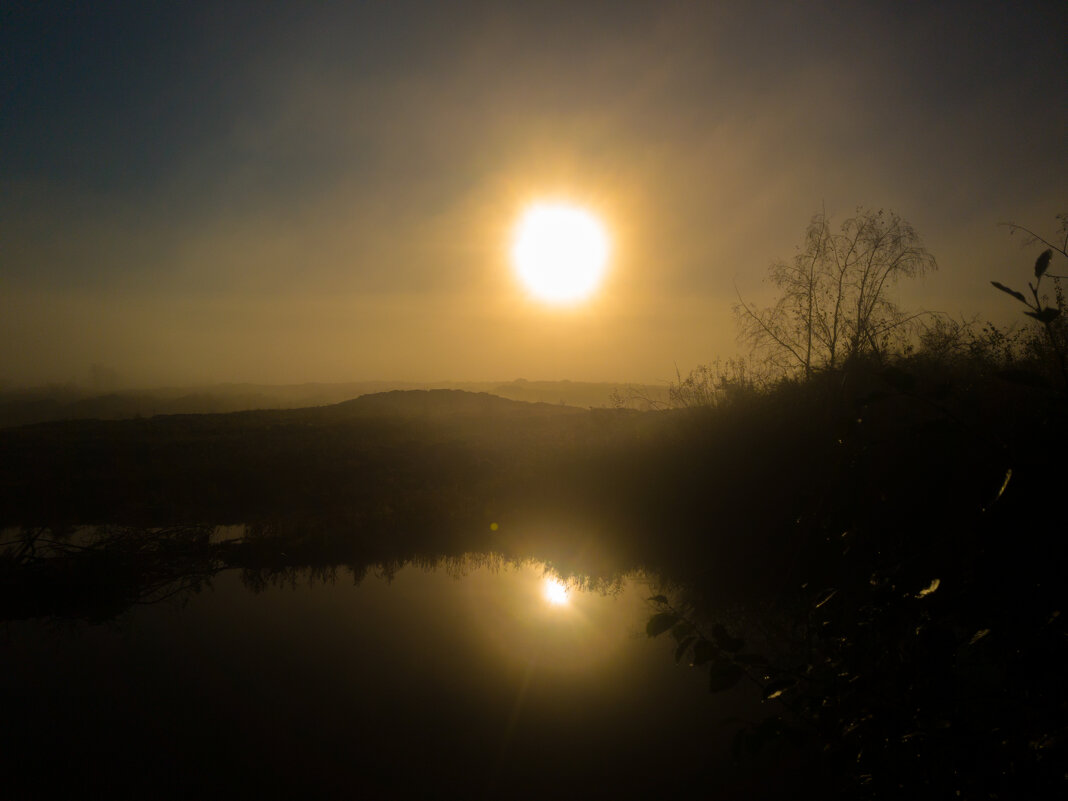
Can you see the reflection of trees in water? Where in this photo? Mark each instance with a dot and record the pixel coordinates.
(98, 572)
(293, 575)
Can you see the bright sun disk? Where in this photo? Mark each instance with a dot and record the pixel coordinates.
(560, 252)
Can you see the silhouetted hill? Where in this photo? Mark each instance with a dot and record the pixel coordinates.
(443, 402)
(387, 454)
(69, 402)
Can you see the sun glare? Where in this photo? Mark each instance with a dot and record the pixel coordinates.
(560, 252)
(555, 592)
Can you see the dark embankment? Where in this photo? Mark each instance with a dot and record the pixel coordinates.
(878, 549)
(400, 453)
(739, 497)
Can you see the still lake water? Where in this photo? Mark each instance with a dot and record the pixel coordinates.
(460, 679)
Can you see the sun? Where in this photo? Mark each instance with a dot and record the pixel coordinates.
(560, 252)
(555, 591)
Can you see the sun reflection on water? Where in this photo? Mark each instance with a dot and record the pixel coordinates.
(555, 592)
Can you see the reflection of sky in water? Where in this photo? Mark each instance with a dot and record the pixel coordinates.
(466, 673)
(513, 621)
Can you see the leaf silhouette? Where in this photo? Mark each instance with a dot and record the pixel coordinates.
(681, 650)
(1019, 296)
(659, 623)
(750, 659)
(1046, 315)
(776, 688)
(929, 589)
(704, 652)
(725, 640)
(723, 676)
(1004, 484)
(825, 596)
(682, 630)
(1042, 262)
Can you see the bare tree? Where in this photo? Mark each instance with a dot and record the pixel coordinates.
(834, 301)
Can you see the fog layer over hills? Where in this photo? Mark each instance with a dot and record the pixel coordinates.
(71, 402)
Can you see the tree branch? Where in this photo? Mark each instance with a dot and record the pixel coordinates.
(767, 330)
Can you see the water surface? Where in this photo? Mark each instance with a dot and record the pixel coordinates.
(460, 674)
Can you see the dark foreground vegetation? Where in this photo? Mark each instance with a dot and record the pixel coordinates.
(876, 542)
(885, 541)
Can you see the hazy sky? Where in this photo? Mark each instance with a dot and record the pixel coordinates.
(325, 191)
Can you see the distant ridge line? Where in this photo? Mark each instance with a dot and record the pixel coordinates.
(46, 404)
(448, 402)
